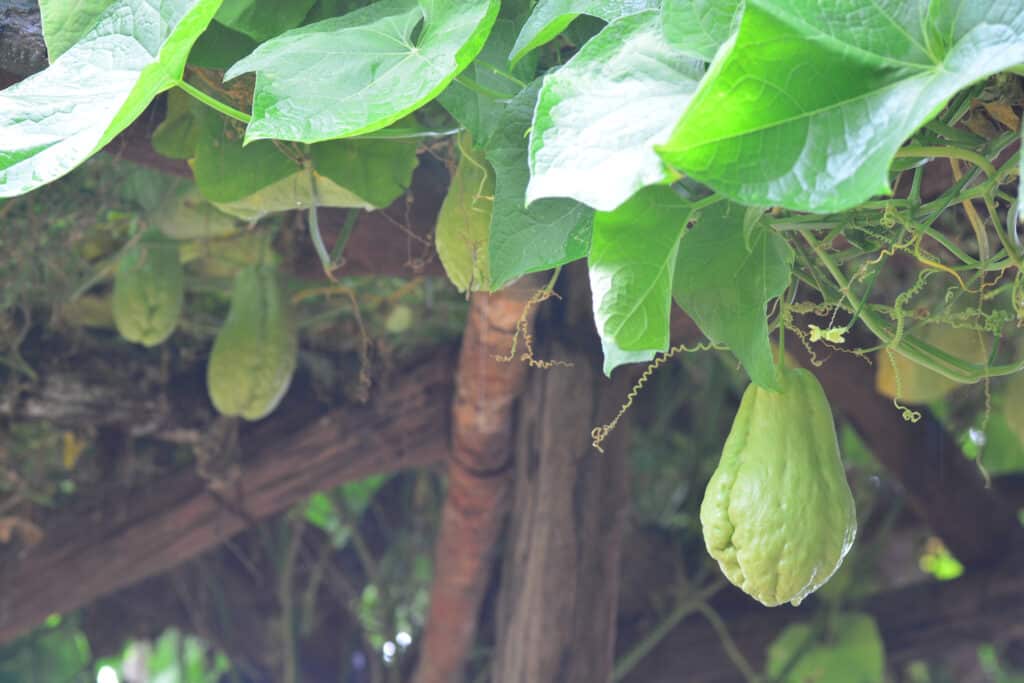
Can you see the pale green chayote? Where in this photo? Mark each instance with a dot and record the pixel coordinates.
(255, 352)
(149, 289)
(778, 514)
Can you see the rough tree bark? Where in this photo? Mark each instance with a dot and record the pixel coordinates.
(479, 477)
(90, 553)
(560, 577)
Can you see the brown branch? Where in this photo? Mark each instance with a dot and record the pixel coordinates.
(479, 478)
(921, 621)
(90, 553)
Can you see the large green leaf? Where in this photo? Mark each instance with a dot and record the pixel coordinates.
(724, 276)
(261, 20)
(463, 225)
(64, 22)
(600, 115)
(478, 110)
(551, 17)
(54, 120)
(699, 27)
(363, 71)
(632, 256)
(854, 653)
(808, 107)
(548, 233)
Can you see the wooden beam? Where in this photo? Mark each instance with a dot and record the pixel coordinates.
(89, 553)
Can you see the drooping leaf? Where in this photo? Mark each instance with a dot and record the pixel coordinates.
(724, 285)
(363, 71)
(551, 17)
(64, 23)
(854, 654)
(548, 233)
(378, 171)
(807, 108)
(54, 120)
(599, 117)
(253, 180)
(263, 20)
(477, 111)
(463, 225)
(631, 262)
(699, 27)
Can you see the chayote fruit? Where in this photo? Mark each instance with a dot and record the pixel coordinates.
(255, 351)
(778, 514)
(149, 289)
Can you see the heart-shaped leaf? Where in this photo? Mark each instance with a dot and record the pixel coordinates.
(56, 119)
(808, 107)
(363, 71)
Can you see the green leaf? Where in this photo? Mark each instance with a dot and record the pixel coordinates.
(463, 225)
(551, 17)
(699, 27)
(548, 233)
(599, 116)
(854, 653)
(253, 180)
(724, 285)
(64, 22)
(632, 256)
(807, 108)
(56, 119)
(476, 111)
(377, 171)
(261, 20)
(177, 135)
(363, 71)
(219, 47)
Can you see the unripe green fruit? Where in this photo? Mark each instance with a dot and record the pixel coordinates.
(778, 514)
(149, 288)
(255, 352)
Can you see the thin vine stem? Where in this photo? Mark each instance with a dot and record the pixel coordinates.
(950, 153)
(213, 103)
(920, 352)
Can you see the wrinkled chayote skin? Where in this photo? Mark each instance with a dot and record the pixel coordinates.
(255, 351)
(149, 288)
(778, 514)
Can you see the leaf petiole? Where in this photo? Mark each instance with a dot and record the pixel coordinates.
(213, 103)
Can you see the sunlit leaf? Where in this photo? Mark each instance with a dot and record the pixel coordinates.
(54, 120)
(363, 71)
(813, 98)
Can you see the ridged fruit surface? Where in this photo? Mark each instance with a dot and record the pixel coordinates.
(778, 514)
(255, 352)
(149, 289)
